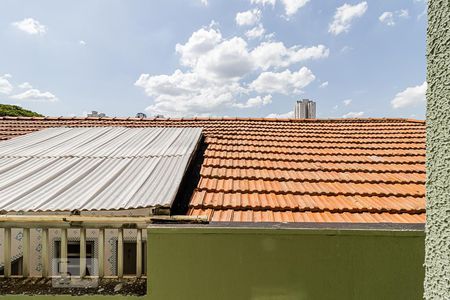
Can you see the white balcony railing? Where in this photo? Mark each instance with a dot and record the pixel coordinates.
(65, 223)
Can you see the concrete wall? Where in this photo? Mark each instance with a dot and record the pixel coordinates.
(236, 263)
(437, 262)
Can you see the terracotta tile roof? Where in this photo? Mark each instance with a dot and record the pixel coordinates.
(263, 170)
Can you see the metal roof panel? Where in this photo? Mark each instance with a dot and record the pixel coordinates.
(62, 169)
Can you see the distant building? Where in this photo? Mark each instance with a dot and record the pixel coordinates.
(96, 114)
(305, 109)
(141, 115)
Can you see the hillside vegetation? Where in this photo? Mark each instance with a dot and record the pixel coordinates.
(16, 111)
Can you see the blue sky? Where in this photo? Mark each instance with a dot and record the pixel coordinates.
(214, 58)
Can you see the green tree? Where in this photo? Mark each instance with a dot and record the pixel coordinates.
(16, 111)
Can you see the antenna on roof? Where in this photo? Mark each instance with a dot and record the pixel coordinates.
(141, 115)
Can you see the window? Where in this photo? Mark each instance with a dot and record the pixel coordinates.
(129, 257)
(73, 255)
(16, 267)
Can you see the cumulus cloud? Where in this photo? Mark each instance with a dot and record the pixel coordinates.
(289, 114)
(292, 6)
(5, 86)
(389, 18)
(200, 42)
(263, 2)
(36, 96)
(230, 60)
(31, 94)
(207, 52)
(323, 84)
(285, 82)
(257, 101)
(403, 13)
(216, 68)
(344, 16)
(255, 32)
(353, 114)
(411, 96)
(275, 54)
(25, 85)
(248, 18)
(82, 43)
(347, 102)
(185, 93)
(30, 26)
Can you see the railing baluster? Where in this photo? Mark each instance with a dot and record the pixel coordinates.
(139, 253)
(120, 254)
(63, 251)
(64, 224)
(45, 253)
(82, 252)
(101, 251)
(26, 253)
(7, 252)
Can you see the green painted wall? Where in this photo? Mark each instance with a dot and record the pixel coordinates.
(437, 259)
(233, 263)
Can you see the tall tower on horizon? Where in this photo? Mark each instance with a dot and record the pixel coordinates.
(305, 109)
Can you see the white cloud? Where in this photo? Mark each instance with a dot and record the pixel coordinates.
(285, 82)
(292, 6)
(344, 16)
(208, 53)
(184, 94)
(30, 26)
(230, 60)
(422, 14)
(204, 2)
(353, 114)
(411, 96)
(248, 18)
(403, 13)
(216, 68)
(346, 49)
(323, 84)
(82, 43)
(5, 86)
(25, 85)
(200, 42)
(389, 18)
(289, 114)
(257, 101)
(275, 54)
(255, 32)
(263, 2)
(35, 95)
(347, 102)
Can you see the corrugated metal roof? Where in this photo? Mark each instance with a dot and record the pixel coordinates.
(65, 169)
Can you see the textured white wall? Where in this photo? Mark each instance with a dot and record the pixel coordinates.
(437, 253)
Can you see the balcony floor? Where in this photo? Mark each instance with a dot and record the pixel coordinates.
(43, 286)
